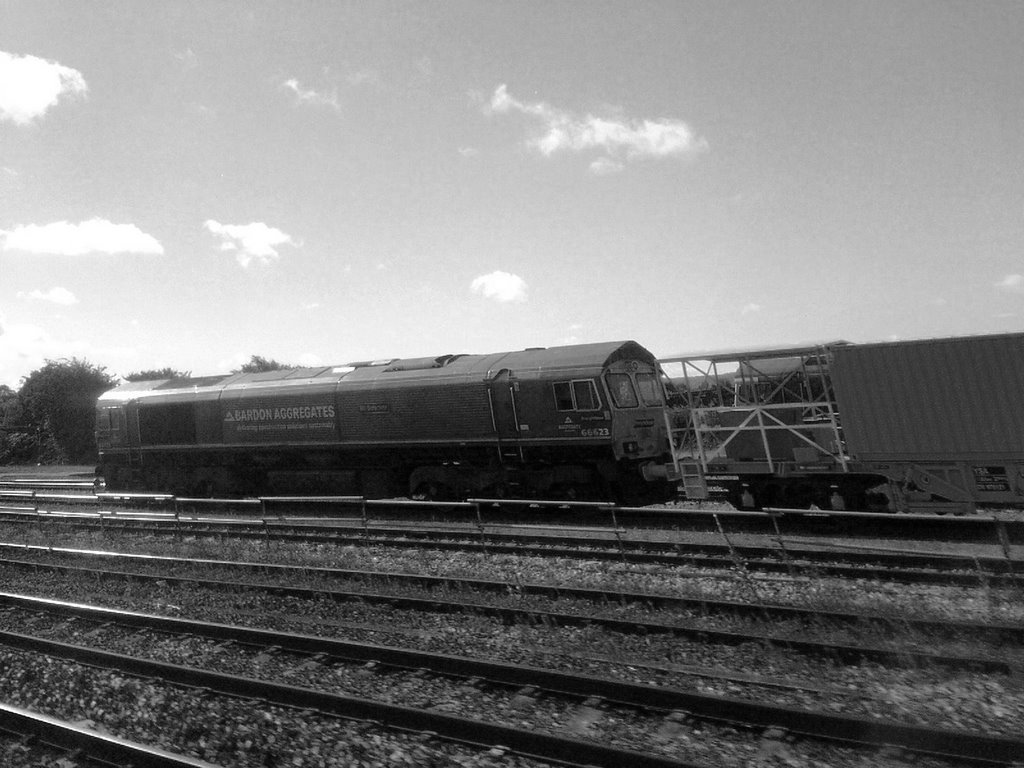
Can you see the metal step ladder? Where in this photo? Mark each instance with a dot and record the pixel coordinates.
(694, 484)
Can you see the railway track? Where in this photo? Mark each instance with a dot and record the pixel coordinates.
(750, 651)
(30, 738)
(684, 618)
(655, 601)
(578, 698)
(831, 559)
(995, 528)
(234, 647)
(254, 722)
(459, 614)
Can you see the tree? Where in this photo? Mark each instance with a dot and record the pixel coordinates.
(59, 401)
(17, 439)
(156, 373)
(10, 407)
(258, 364)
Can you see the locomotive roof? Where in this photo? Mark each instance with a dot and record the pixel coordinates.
(596, 355)
(579, 357)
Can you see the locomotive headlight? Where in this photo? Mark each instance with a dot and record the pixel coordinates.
(630, 446)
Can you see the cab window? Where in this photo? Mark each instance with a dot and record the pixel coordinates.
(580, 395)
(563, 396)
(586, 395)
(109, 420)
(650, 388)
(621, 388)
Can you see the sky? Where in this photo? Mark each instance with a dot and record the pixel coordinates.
(188, 184)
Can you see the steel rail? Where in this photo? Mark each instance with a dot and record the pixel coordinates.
(94, 746)
(630, 547)
(511, 616)
(851, 524)
(610, 538)
(1000, 632)
(917, 568)
(855, 729)
(36, 484)
(671, 553)
(477, 733)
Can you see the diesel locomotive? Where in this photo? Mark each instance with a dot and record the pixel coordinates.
(581, 421)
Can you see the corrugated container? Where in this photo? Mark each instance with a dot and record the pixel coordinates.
(936, 399)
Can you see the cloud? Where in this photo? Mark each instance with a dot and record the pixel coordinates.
(308, 96)
(9, 178)
(572, 337)
(605, 166)
(187, 59)
(29, 86)
(424, 70)
(469, 151)
(92, 236)
(250, 242)
(234, 362)
(1013, 283)
(500, 286)
(363, 77)
(616, 138)
(751, 307)
(56, 295)
(25, 348)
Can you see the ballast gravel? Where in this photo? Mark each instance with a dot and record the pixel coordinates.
(25, 753)
(931, 696)
(971, 701)
(982, 603)
(223, 730)
(675, 736)
(894, 634)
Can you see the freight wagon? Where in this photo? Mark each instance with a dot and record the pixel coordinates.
(582, 421)
(925, 425)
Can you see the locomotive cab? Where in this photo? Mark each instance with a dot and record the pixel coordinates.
(638, 403)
